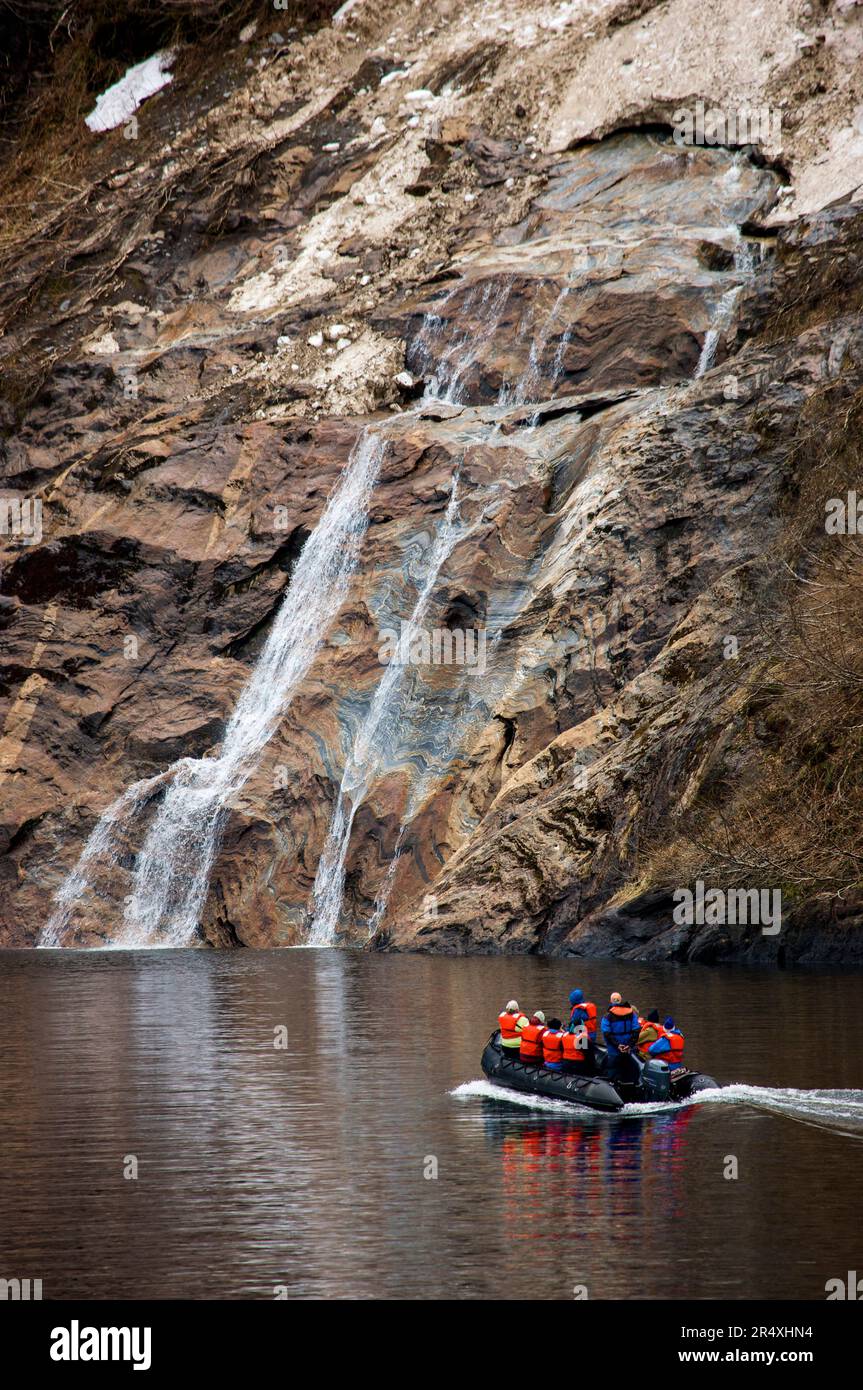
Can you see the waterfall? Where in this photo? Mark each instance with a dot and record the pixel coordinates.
(526, 391)
(102, 847)
(445, 368)
(173, 868)
(383, 894)
(724, 312)
(746, 258)
(184, 807)
(446, 373)
(374, 741)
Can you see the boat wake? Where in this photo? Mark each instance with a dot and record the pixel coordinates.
(487, 1090)
(839, 1111)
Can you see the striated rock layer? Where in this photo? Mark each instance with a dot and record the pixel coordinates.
(598, 357)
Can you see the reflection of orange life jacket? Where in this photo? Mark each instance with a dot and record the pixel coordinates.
(675, 1042)
(571, 1050)
(510, 1033)
(531, 1040)
(552, 1045)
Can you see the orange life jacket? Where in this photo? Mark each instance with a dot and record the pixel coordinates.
(644, 1044)
(510, 1033)
(675, 1042)
(571, 1050)
(552, 1045)
(590, 1021)
(531, 1040)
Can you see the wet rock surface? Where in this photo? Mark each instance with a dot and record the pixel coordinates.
(342, 242)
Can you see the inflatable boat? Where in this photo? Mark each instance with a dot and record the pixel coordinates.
(656, 1080)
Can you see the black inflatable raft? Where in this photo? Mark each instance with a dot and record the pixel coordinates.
(656, 1080)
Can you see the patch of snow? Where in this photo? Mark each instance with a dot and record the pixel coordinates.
(103, 346)
(119, 102)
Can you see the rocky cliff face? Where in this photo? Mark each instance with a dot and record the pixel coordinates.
(615, 378)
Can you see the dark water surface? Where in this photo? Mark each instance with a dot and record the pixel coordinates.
(304, 1167)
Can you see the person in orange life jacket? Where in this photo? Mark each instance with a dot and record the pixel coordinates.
(578, 1050)
(582, 1011)
(668, 1048)
(651, 1030)
(511, 1022)
(620, 1029)
(530, 1050)
(552, 1045)
(583, 1015)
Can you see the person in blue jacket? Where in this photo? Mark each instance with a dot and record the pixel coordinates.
(620, 1029)
(583, 1011)
(668, 1048)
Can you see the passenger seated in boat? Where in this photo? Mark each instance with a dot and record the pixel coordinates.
(668, 1048)
(650, 1032)
(530, 1050)
(552, 1045)
(578, 1050)
(511, 1022)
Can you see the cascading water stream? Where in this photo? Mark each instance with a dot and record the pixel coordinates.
(101, 847)
(374, 742)
(173, 867)
(187, 803)
(446, 374)
(527, 388)
(745, 260)
(724, 313)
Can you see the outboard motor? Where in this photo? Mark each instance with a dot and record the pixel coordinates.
(656, 1080)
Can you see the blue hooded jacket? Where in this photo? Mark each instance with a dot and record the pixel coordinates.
(620, 1030)
(662, 1046)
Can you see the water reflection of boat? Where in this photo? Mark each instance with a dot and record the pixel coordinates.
(655, 1081)
(594, 1176)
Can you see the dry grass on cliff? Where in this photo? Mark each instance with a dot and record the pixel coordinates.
(785, 809)
(62, 231)
(58, 55)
